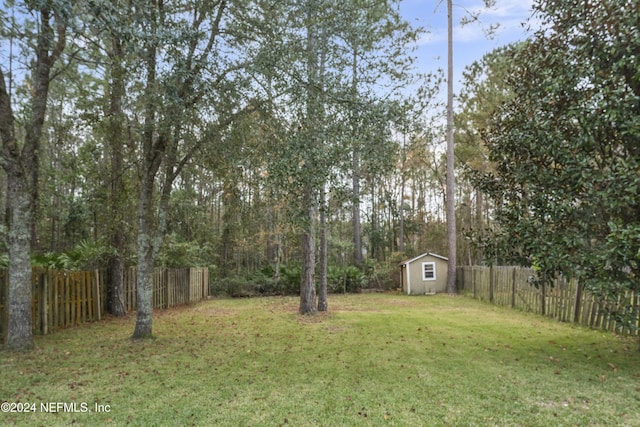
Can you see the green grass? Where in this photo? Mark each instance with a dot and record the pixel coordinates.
(374, 360)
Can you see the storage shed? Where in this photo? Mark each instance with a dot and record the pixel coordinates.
(425, 274)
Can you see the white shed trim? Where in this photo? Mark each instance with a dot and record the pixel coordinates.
(423, 255)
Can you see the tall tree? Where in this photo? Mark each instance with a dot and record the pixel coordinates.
(377, 48)
(313, 140)
(172, 96)
(115, 141)
(450, 177)
(450, 199)
(20, 157)
(565, 148)
(485, 90)
(112, 36)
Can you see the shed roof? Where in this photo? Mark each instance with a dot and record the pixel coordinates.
(409, 261)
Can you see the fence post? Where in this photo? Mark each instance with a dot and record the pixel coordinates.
(165, 278)
(79, 285)
(473, 281)
(45, 304)
(491, 283)
(543, 299)
(206, 281)
(96, 297)
(513, 287)
(577, 303)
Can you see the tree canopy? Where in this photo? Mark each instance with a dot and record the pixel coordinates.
(565, 148)
(245, 135)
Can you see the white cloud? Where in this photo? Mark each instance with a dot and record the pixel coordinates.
(509, 15)
(509, 8)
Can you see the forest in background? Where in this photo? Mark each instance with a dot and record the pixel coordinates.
(276, 141)
(235, 113)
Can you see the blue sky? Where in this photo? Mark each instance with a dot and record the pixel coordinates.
(470, 43)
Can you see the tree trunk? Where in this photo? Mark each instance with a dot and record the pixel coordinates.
(144, 280)
(355, 213)
(355, 179)
(323, 305)
(21, 166)
(151, 233)
(115, 291)
(373, 239)
(450, 181)
(309, 203)
(19, 334)
(479, 224)
(402, 187)
(308, 282)
(153, 151)
(231, 212)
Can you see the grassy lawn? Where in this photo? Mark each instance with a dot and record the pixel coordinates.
(373, 360)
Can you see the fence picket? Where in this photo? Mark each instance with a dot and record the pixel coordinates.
(45, 305)
(64, 298)
(566, 301)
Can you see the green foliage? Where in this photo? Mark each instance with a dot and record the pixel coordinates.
(234, 138)
(177, 254)
(345, 279)
(340, 279)
(260, 283)
(565, 148)
(86, 255)
(4, 260)
(233, 286)
(290, 276)
(384, 275)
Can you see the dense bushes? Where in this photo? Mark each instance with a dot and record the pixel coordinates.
(261, 283)
(345, 279)
(340, 279)
(86, 255)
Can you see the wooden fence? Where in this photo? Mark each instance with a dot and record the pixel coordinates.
(66, 298)
(565, 301)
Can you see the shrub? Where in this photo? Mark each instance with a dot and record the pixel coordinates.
(233, 286)
(345, 279)
(177, 254)
(86, 255)
(290, 277)
(379, 275)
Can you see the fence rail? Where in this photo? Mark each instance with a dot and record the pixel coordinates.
(66, 298)
(565, 301)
